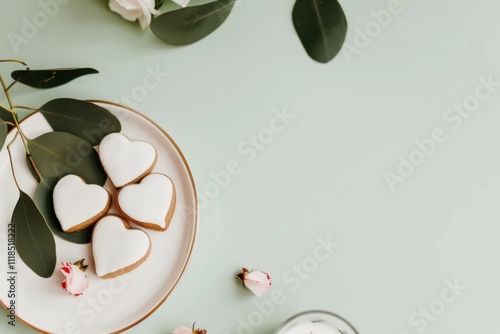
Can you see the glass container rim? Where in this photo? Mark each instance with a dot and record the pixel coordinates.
(313, 312)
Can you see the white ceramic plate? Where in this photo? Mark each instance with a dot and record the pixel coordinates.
(109, 305)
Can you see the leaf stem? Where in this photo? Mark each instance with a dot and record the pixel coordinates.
(13, 83)
(6, 94)
(32, 162)
(6, 108)
(13, 61)
(8, 123)
(24, 107)
(14, 115)
(11, 160)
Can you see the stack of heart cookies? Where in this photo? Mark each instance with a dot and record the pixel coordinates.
(143, 198)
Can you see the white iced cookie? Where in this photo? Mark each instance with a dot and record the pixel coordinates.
(126, 161)
(77, 204)
(118, 248)
(150, 203)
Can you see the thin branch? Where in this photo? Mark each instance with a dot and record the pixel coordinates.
(40, 177)
(13, 83)
(24, 107)
(8, 123)
(13, 61)
(6, 93)
(6, 108)
(14, 115)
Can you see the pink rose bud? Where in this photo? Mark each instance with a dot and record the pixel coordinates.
(75, 282)
(255, 281)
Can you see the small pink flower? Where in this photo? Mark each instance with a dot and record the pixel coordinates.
(255, 281)
(75, 282)
(185, 330)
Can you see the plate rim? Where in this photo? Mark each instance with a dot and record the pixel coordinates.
(195, 227)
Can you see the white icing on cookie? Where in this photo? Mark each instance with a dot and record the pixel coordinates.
(125, 161)
(117, 248)
(149, 201)
(76, 202)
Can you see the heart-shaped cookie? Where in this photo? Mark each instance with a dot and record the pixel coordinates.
(126, 161)
(150, 203)
(117, 247)
(77, 204)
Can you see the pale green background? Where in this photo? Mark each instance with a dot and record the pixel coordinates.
(324, 174)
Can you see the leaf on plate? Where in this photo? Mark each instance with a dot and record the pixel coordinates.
(34, 242)
(321, 26)
(50, 77)
(3, 134)
(44, 202)
(80, 118)
(6, 116)
(57, 154)
(188, 25)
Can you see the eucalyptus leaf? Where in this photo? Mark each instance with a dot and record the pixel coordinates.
(49, 78)
(29, 163)
(321, 26)
(57, 154)
(3, 134)
(80, 118)
(158, 4)
(34, 242)
(188, 25)
(44, 202)
(6, 116)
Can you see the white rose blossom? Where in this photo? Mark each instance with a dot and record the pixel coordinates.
(131, 10)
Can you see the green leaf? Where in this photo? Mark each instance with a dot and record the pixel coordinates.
(29, 163)
(50, 77)
(44, 202)
(321, 26)
(57, 154)
(6, 116)
(80, 118)
(188, 25)
(3, 134)
(158, 4)
(34, 242)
